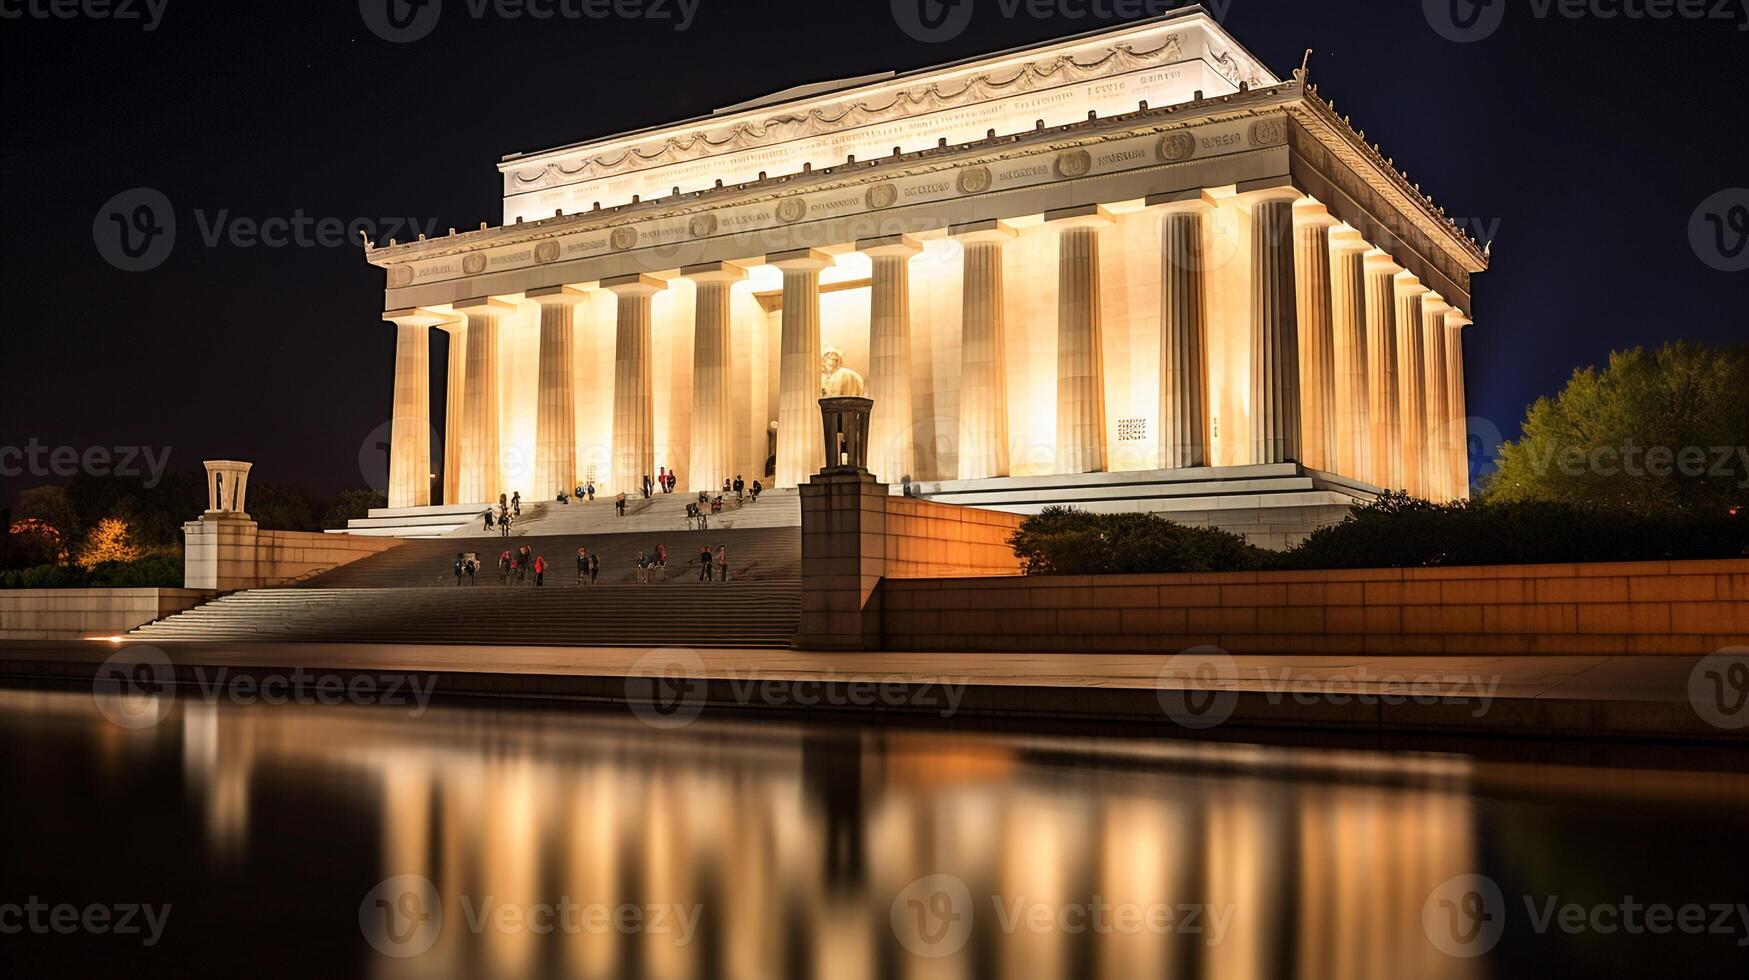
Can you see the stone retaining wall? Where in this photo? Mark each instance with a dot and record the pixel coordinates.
(70, 614)
(1629, 608)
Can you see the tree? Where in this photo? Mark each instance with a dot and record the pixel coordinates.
(1654, 432)
(351, 505)
(278, 508)
(107, 542)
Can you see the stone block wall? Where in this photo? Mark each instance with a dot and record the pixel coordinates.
(1629, 608)
(227, 553)
(70, 614)
(925, 539)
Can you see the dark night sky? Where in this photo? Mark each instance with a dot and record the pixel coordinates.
(1587, 143)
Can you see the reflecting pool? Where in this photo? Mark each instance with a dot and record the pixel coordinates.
(480, 840)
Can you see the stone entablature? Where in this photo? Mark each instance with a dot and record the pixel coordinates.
(1165, 61)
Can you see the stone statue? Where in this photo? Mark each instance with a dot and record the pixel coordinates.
(836, 380)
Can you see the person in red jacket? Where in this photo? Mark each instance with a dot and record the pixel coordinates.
(540, 570)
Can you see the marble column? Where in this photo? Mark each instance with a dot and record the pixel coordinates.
(1275, 345)
(634, 429)
(410, 417)
(1384, 387)
(1080, 351)
(1436, 450)
(555, 424)
(892, 456)
(711, 456)
(800, 449)
(983, 352)
(481, 451)
(1348, 317)
(1184, 313)
(1312, 225)
(1458, 409)
(454, 397)
(1412, 382)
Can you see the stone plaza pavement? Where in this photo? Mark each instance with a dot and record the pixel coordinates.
(1628, 697)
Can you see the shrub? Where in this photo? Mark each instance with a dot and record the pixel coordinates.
(161, 570)
(1064, 541)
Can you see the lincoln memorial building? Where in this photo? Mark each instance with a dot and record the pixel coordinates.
(1129, 270)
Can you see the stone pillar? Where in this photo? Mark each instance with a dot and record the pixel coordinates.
(410, 420)
(454, 398)
(1348, 317)
(1459, 412)
(219, 549)
(1312, 225)
(892, 441)
(482, 457)
(983, 351)
(844, 525)
(1436, 455)
(1184, 372)
(555, 425)
(1275, 345)
(711, 457)
(1412, 382)
(799, 452)
(634, 428)
(1386, 406)
(1080, 348)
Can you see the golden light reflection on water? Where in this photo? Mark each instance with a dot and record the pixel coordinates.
(795, 842)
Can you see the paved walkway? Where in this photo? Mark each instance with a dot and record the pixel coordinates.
(1563, 696)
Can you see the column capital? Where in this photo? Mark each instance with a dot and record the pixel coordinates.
(636, 284)
(1269, 190)
(1197, 200)
(1313, 212)
(1434, 304)
(417, 318)
(1457, 319)
(1410, 283)
(1082, 216)
(976, 232)
(557, 295)
(901, 246)
(714, 272)
(801, 260)
(1381, 261)
(1347, 238)
(484, 306)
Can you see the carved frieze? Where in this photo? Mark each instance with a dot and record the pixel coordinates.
(1074, 163)
(974, 180)
(1176, 147)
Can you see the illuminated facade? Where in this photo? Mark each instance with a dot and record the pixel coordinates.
(1089, 269)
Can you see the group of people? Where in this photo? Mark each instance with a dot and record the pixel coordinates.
(519, 564)
(585, 492)
(509, 511)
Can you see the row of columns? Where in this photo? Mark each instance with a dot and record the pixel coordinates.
(1355, 366)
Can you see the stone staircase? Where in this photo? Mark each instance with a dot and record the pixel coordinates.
(408, 595)
(662, 512)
